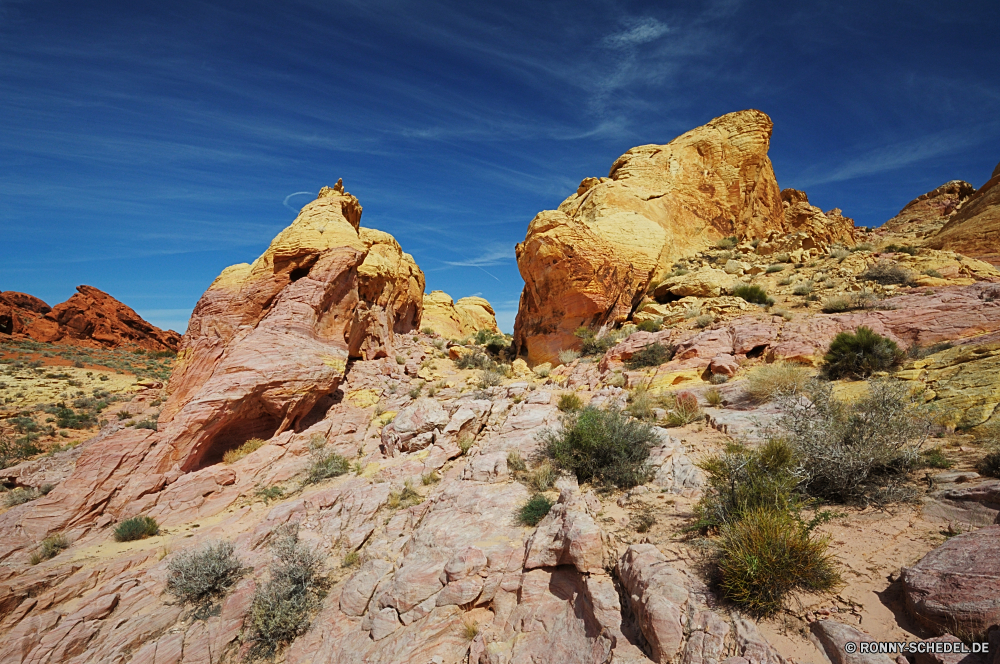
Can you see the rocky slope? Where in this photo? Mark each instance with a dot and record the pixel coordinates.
(314, 349)
(457, 320)
(90, 318)
(974, 230)
(590, 262)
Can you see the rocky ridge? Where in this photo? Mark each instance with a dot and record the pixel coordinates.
(457, 320)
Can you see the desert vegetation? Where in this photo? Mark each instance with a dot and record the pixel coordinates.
(136, 528)
(861, 354)
(204, 573)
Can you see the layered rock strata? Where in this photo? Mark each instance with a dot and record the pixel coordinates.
(974, 230)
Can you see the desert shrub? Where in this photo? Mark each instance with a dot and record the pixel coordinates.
(651, 355)
(916, 351)
(837, 304)
(803, 288)
(901, 249)
(704, 320)
(430, 478)
(643, 521)
(352, 559)
(210, 571)
(543, 477)
(592, 344)
(569, 401)
(405, 497)
(652, 325)
(281, 607)
(13, 451)
(860, 354)
(855, 451)
(400, 360)
(48, 548)
(469, 629)
(326, 464)
(465, 442)
(785, 281)
(753, 293)
(534, 510)
(775, 267)
(641, 404)
(148, 423)
(568, 356)
(930, 272)
(839, 252)
(714, 397)
(542, 371)
(727, 242)
(515, 463)
(252, 445)
(742, 479)
(862, 246)
(136, 528)
(20, 496)
(768, 381)
(477, 359)
(489, 378)
(415, 391)
(602, 446)
(617, 379)
(718, 379)
(692, 311)
(989, 465)
(684, 410)
(935, 458)
(887, 273)
(766, 555)
(267, 494)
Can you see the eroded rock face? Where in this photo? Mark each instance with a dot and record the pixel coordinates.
(975, 229)
(90, 317)
(590, 262)
(456, 320)
(807, 227)
(269, 341)
(927, 213)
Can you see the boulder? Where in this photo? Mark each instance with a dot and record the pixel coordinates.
(591, 261)
(833, 636)
(956, 587)
(418, 421)
(456, 320)
(658, 595)
(707, 282)
(568, 535)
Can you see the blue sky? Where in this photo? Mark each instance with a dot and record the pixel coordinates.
(146, 146)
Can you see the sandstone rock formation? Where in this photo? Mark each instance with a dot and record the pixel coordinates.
(457, 320)
(975, 229)
(90, 317)
(807, 227)
(590, 262)
(927, 213)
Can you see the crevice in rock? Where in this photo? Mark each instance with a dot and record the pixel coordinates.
(232, 436)
(757, 351)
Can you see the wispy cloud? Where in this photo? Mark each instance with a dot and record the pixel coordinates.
(494, 255)
(641, 31)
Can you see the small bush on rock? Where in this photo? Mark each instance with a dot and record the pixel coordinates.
(534, 510)
(685, 410)
(768, 381)
(651, 325)
(887, 273)
(19, 496)
(281, 607)
(704, 320)
(602, 446)
(50, 547)
(726, 242)
(208, 572)
(252, 445)
(569, 401)
(326, 464)
(136, 528)
(861, 354)
(754, 294)
(651, 355)
(568, 356)
(543, 477)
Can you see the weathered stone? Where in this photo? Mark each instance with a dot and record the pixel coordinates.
(833, 636)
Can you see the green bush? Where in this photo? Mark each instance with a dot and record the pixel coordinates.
(803, 288)
(754, 294)
(252, 445)
(477, 359)
(542, 478)
(651, 355)
(14, 451)
(704, 320)
(208, 572)
(515, 463)
(596, 345)
(768, 554)
(861, 354)
(602, 446)
(857, 451)
(935, 458)
(990, 465)
(569, 401)
(534, 510)
(776, 267)
(727, 242)
(326, 464)
(281, 607)
(136, 528)
(652, 325)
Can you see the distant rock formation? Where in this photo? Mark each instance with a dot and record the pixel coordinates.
(90, 317)
(455, 320)
(270, 341)
(927, 213)
(590, 262)
(974, 230)
(807, 227)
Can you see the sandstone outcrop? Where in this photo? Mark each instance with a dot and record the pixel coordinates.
(927, 213)
(807, 227)
(974, 230)
(590, 262)
(90, 317)
(457, 320)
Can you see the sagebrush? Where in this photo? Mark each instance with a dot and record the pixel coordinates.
(207, 572)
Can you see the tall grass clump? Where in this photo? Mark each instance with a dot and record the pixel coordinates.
(727, 242)
(50, 547)
(326, 464)
(768, 381)
(568, 355)
(281, 607)
(208, 572)
(606, 447)
(569, 401)
(534, 510)
(754, 294)
(683, 409)
(136, 528)
(252, 445)
(860, 354)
